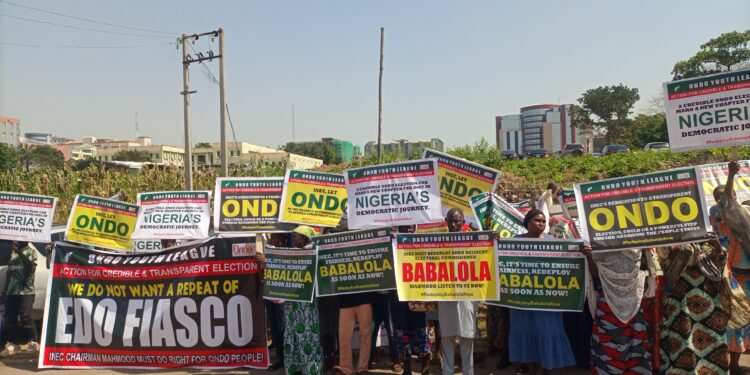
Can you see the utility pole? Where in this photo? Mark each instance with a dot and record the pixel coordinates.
(222, 100)
(380, 95)
(294, 138)
(200, 57)
(188, 160)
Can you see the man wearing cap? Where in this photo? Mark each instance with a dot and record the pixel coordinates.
(458, 319)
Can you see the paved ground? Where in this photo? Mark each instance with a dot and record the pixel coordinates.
(27, 365)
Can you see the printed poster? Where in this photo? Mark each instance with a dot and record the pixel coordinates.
(188, 306)
(715, 175)
(289, 274)
(568, 204)
(642, 211)
(394, 194)
(178, 215)
(249, 204)
(538, 274)
(354, 262)
(460, 180)
(458, 266)
(313, 198)
(495, 214)
(708, 111)
(436, 227)
(26, 217)
(101, 222)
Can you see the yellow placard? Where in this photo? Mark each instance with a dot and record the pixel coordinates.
(446, 267)
(460, 180)
(313, 198)
(102, 222)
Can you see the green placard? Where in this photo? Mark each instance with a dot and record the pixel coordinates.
(494, 213)
(541, 275)
(354, 262)
(647, 210)
(289, 274)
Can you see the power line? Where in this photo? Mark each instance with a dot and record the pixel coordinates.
(206, 69)
(87, 19)
(83, 28)
(82, 47)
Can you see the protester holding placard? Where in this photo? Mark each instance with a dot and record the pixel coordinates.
(410, 332)
(619, 341)
(458, 319)
(354, 308)
(537, 338)
(275, 309)
(729, 220)
(694, 319)
(302, 329)
(19, 296)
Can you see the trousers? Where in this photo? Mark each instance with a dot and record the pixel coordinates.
(347, 317)
(467, 355)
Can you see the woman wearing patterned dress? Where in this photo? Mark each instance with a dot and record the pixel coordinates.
(721, 216)
(693, 334)
(303, 353)
(619, 340)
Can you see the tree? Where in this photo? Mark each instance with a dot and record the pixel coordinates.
(202, 145)
(727, 51)
(41, 156)
(606, 108)
(142, 156)
(647, 128)
(9, 157)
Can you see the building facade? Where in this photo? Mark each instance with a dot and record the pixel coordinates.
(242, 153)
(345, 150)
(46, 138)
(10, 131)
(547, 126)
(160, 154)
(508, 133)
(404, 147)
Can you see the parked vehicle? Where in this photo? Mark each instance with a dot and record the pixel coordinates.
(537, 153)
(656, 146)
(614, 149)
(575, 149)
(509, 154)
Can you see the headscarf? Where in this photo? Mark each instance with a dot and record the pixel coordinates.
(530, 215)
(305, 230)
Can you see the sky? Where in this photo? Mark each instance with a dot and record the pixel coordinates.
(450, 67)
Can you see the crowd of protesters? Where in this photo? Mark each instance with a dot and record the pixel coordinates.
(676, 310)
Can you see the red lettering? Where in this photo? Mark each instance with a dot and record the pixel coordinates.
(430, 274)
(406, 272)
(484, 271)
(419, 272)
(463, 271)
(453, 271)
(442, 272)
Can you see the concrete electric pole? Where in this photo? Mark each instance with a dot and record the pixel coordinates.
(200, 57)
(380, 95)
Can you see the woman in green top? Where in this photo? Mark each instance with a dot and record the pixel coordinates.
(303, 353)
(19, 299)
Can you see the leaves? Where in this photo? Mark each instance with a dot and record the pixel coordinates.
(725, 52)
(606, 108)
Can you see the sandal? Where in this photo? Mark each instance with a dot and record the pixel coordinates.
(397, 368)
